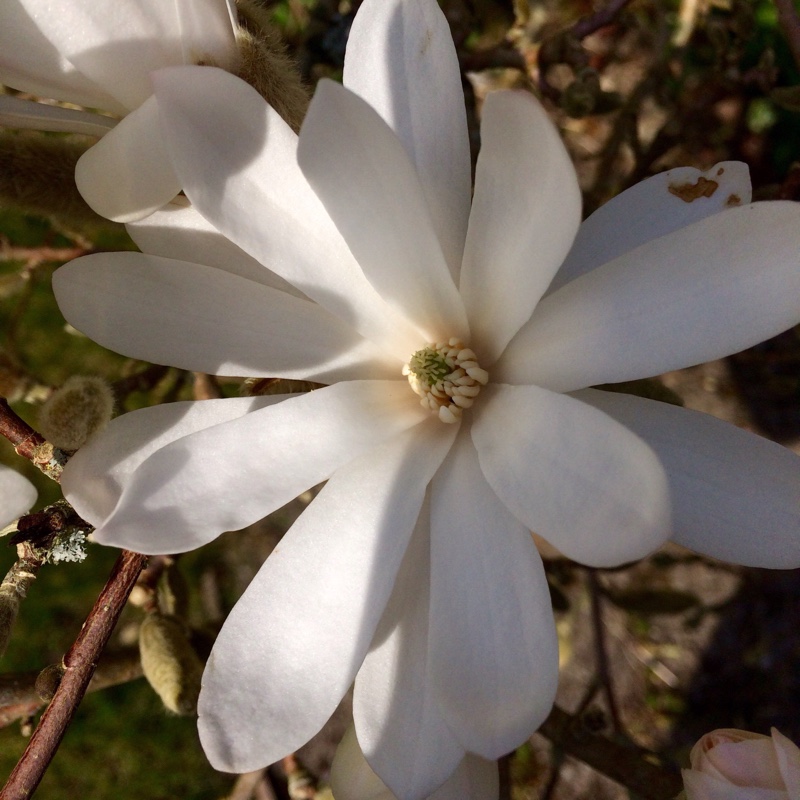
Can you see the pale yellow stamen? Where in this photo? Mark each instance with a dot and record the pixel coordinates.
(447, 377)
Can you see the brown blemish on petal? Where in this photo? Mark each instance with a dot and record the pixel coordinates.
(689, 192)
(720, 171)
(733, 200)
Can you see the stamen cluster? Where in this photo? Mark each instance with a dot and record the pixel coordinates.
(447, 377)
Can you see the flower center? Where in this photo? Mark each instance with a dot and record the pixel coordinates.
(447, 377)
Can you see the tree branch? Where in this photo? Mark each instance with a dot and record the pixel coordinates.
(30, 444)
(625, 765)
(79, 665)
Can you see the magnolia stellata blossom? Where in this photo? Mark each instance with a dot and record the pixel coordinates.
(100, 55)
(17, 495)
(457, 338)
(730, 764)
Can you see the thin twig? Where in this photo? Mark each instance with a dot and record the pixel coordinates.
(604, 16)
(19, 698)
(789, 21)
(30, 444)
(601, 653)
(79, 665)
(623, 764)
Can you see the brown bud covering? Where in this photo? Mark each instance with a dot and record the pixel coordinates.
(169, 662)
(80, 408)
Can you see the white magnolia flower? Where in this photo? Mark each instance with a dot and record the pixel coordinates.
(17, 495)
(100, 54)
(414, 568)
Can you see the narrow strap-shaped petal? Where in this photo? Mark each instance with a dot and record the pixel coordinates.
(128, 174)
(493, 648)
(370, 188)
(572, 474)
(231, 475)
(291, 647)
(651, 208)
(17, 495)
(237, 160)
(399, 723)
(203, 319)
(179, 231)
(526, 210)
(402, 61)
(96, 476)
(117, 45)
(697, 294)
(735, 496)
(30, 62)
(18, 113)
(352, 778)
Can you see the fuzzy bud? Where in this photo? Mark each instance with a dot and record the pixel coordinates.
(266, 65)
(169, 663)
(47, 681)
(76, 411)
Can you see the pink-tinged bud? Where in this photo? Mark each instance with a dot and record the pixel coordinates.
(730, 764)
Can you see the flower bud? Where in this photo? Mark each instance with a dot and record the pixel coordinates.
(267, 67)
(80, 408)
(47, 681)
(729, 763)
(169, 663)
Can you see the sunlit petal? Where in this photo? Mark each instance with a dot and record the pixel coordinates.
(260, 462)
(525, 183)
(315, 605)
(654, 207)
(697, 294)
(401, 60)
(179, 314)
(370, 188)
(735, 496)
(128, 174)
(493, 648)
(399, 723)
(245, 180)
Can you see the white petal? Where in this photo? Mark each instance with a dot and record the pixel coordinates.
(179, 231)
(654, 207)
(127, 174)
(735, 496)
(572, 474)
(30, 62)
(18, 113)
(526, 210)
(95, 477)
(17, 495)
(697, 294)
(294, 642)
(475, 779)
(401, 60)
(203, 319)
(370, 188)
(237, 160)
(398, 720)
(353, 779)
(232, 475)
(493, 648)
(117, 45)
